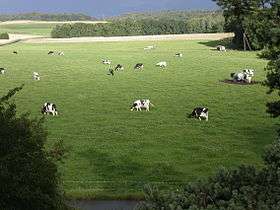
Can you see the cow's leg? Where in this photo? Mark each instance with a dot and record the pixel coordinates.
(207, 117)
(199, 118)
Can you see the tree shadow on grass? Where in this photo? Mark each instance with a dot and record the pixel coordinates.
(121, 175)
(213, 43)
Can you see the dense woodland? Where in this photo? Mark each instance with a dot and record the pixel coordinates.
(147, 24)
(45, 17)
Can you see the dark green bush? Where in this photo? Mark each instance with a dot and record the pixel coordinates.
(4, 36)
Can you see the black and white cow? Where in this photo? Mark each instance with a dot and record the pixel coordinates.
(245, 76)
(179, 55)
(200, 113)
(49, 108)
(36, 76)
(221, 48)
(104, 61)
(119, 67)
(15, 52)
(2, 70)
(141, 104)
(51, 53)
(60, 53)
(139, 66)
(162, 64)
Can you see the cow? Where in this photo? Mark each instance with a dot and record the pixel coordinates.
(119, 67)
(149, 47)
(162, 64)
(245, 76)
(60, 53)
(221, 48)
(2, 70)
(179, 55)
(49, 108)
(111, 72)
(200, 113)
(139, 66)
(15, 52)
(51, 53)
(141, 104)
(108, 62)
(36, 76)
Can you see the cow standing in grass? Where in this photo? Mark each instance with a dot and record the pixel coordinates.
(36, 76)
(200, 113)
(179, 55)
(2, 70)
(49, 108)
(139, 66)
(119, 67)
(141, 104)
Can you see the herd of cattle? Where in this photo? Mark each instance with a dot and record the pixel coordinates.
(199, 112)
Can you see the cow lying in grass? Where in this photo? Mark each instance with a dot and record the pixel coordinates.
(141, 104)
(179, 55)
(245, 76)
(2, 70)
(221, 48)
(149, 47)
(107, 62)
(162, 64)
(200, 113)
(49, 108)
(139, 66)
(36, 76)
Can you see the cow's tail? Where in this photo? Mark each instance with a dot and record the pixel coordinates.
(152, 104)
(232, 75)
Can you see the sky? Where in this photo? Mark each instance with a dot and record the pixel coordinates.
(100, 8)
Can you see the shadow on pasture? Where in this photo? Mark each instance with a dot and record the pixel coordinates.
(120, 173)
(232, 82)
(213, 43)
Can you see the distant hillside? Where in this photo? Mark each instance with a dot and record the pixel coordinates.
(46, 17)
(170, 15)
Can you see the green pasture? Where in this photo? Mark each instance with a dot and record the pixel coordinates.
(114, 152)
(43, 29)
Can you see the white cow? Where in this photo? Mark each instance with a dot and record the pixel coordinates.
(149, 47)
(49, 108)
(162, 64)
(141, 104)
(36, 76)
(221, 48)
(108, 62)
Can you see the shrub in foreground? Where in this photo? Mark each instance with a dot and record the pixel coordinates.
(4, 36)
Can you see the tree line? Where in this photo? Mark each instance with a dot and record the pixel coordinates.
(210, 22)
(46, 17)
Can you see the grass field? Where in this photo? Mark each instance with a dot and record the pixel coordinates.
(31, 28)
(113, 152)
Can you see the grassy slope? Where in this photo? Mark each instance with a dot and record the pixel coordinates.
(113, 151)
(30, 28)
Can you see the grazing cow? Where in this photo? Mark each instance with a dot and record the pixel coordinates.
(51, 53)
(149, 47)
(119, 67)
(60, 53)
(245, 76)
(179, 55)
(141, 104)
(2, 70)
(36, 76)
(49, 108)
(15, 52)
(221, 48)
(162, 64)
(139, 66)
(111, 72)
(108, 62)
(200, 113)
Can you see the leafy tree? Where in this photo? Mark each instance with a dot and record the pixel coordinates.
(28, 173)
(4, 36)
